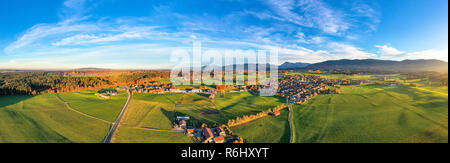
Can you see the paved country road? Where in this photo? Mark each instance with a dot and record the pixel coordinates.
(291, 123)
(115, 125)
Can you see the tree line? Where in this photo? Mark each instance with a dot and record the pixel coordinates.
(33, 83)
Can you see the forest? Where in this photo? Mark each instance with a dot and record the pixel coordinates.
(35, 82)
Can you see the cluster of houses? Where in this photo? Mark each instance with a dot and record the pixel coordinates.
(206, 134)
(155, 88)
(353, 82)
(213, 135)
(393, 84)
(181, 122)
(106, 95)
(300, 88)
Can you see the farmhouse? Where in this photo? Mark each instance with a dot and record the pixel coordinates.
(190, 132)
(182, 124)
(195, 91)
(219, 139)
(177, 91)
(208, 135)
(103, 95)
(220, 131)
(183, 118)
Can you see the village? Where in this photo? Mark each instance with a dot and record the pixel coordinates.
(300, 88)
(296, 89)
(106, 93)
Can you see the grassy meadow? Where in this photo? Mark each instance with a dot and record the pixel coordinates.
(141, 135)
(150, 117)
(88, 103)
(361, 114)
(230, 106)
(45, 119)
(266, 130)
(374, 114)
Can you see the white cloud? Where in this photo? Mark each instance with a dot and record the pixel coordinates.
(77, 39)
(133, 56)
(42, 31)
(331, 51)
(428, 54)
(263, 15)
(104, 36)
(345, 51)
(387, 51)
(74, 9)
(302, 38)
(315, 14)
(363, 10)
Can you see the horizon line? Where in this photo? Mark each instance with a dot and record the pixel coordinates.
(162, 69)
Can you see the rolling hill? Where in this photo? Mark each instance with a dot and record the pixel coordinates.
(289, 65)
(381, 65)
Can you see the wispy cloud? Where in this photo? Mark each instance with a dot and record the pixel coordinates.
(49, 31)
(105, 36)
(310, 13)
(302, 30)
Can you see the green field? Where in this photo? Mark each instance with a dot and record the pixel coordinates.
(374, 114)
(142, 135)
(266, 130)
(230, 106)
(45, 119)
(151, 111)
(150, 117)
(361, 114)
(88, 103)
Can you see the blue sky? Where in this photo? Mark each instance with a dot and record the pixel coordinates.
(142, 34)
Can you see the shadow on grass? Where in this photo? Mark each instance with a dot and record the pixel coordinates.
(287, 134)
(11, 100)
(171, 115)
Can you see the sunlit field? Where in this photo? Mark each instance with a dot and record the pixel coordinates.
(44, 119)
(88, 103)
(374, 114)
(152, 116)
(266, 130)
(149, 119)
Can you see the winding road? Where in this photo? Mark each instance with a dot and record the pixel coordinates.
(115, 125)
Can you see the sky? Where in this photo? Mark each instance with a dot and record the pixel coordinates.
(142, 34)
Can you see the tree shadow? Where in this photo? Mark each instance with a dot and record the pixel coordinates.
(204, 95)
(286, 138)
(11, 100)
(171, 115)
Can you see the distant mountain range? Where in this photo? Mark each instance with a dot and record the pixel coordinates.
(373, 64)
(289, 65)
(91, 69)
(345, 64)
